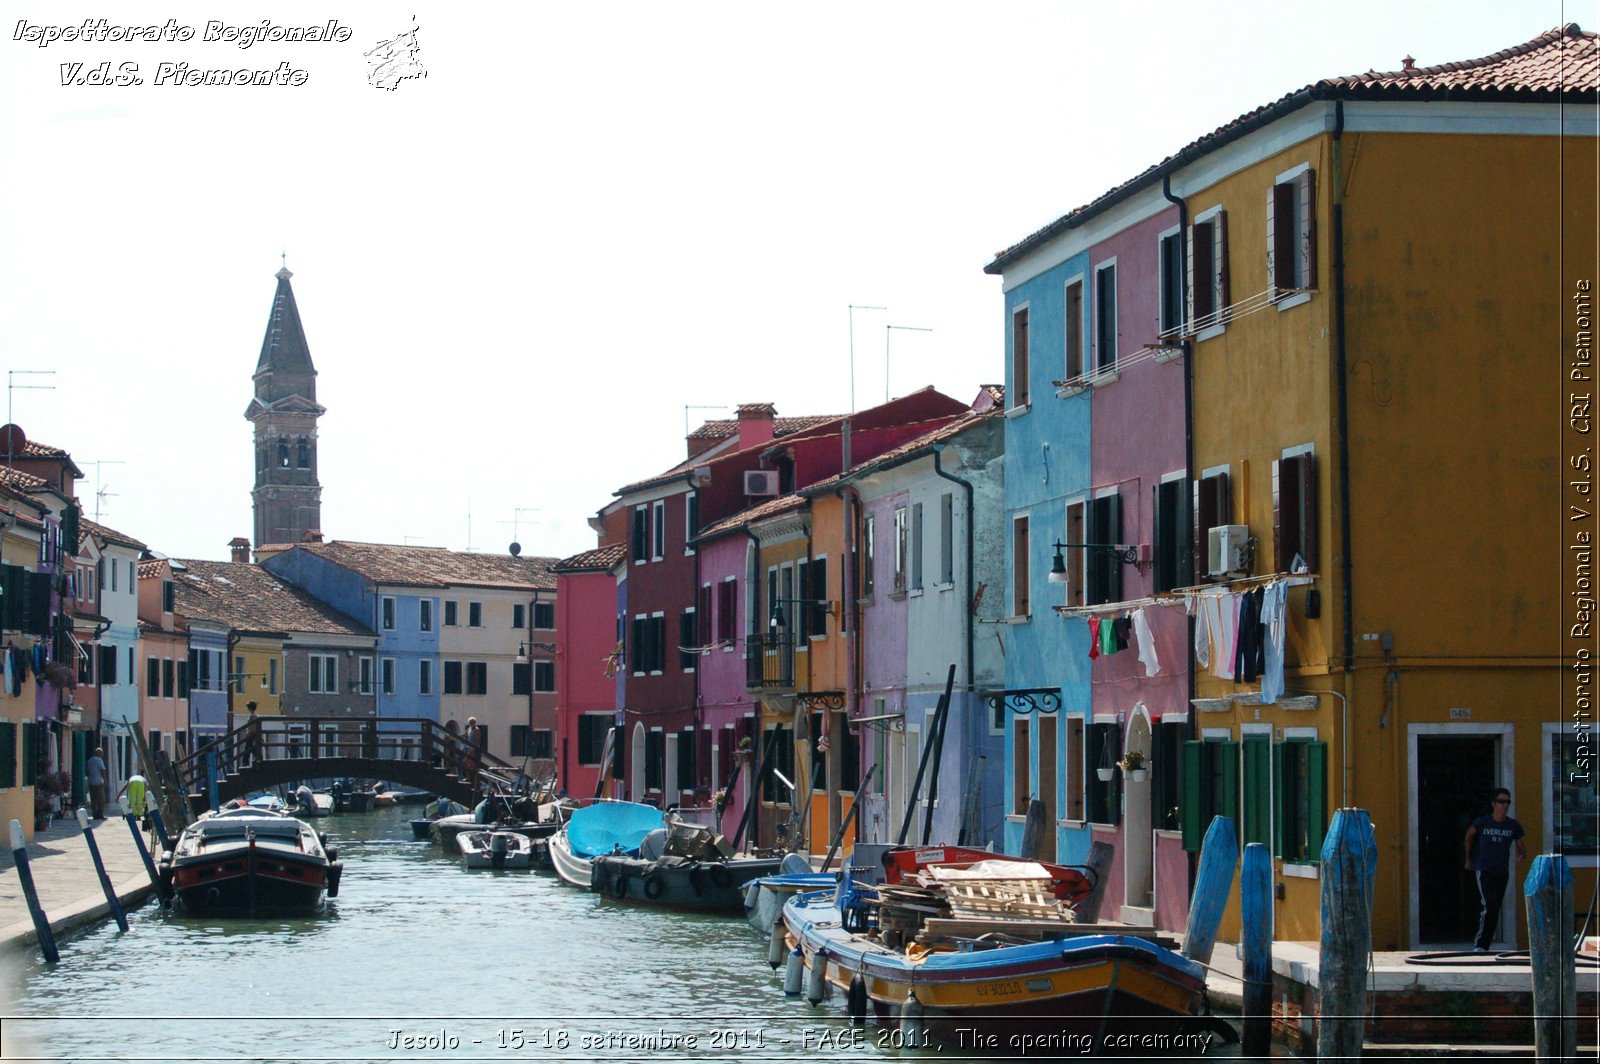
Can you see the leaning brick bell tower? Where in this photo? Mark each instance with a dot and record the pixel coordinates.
(287, 495)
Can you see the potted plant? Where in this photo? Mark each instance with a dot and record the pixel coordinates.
(61, 677)
(1107, 767)
(1133, 764)
(745, 750)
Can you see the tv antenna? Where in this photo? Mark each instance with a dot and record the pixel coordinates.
(100, 490)
(853, 308)
(888, 333)
(14, 438)
(516, 526)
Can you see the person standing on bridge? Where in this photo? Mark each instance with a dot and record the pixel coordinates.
(252, 735)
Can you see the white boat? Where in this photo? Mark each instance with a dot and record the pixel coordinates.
(270, 802)
(495, 849)
(602, 828)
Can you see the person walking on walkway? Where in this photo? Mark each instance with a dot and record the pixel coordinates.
(1488, 846)
(95, 773)
(138, 791)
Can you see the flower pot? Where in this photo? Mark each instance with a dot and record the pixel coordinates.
(1105, 774)
(1139, 775)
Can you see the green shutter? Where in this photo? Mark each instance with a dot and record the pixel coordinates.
(1281, 767)
(1316, 798)
(1190, 813)
(30, 753)
(1228, 754)
(8, 754)
(1257, 789)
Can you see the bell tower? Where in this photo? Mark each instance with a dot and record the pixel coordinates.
(284, 412)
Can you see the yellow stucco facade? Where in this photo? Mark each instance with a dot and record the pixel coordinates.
(261, 678)
(18, 547)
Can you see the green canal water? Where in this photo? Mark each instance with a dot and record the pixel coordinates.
(419, 959)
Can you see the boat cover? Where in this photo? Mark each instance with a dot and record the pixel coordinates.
(606, 826)
(990, 870)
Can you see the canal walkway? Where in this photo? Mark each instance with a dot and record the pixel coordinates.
(63, 872)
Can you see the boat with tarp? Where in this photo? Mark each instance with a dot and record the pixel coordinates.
(617, 828)
(249, 861)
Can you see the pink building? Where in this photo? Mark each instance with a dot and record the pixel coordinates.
(586, 661)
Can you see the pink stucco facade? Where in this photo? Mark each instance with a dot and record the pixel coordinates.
(586, 611)
(726, 709)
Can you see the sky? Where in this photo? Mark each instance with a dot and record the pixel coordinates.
(517, 272)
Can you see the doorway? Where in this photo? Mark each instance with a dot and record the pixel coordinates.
(1138, 844)
(1047, 783)
(1454, 771)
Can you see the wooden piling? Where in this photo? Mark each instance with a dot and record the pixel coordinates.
(100, 870)
(161, 828)
(1548, 894)
(1219, 856)
(144, 851)
(1349, 861)
(1033, 829)
(1255, 897)
(41, 922)
(212, 797)
(1101, 854)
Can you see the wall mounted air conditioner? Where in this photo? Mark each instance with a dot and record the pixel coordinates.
(760, 482)
(1228, 547)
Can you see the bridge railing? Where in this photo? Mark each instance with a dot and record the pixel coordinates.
(342, 738)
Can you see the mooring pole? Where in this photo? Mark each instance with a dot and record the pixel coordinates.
(1548, 895)
(1255, 905)
(1219, 856)
(1101, 854)
(211, 777)
(144, 851)
(41, 922)
(1034, 825)
(161, 828)
(1349, 861)
(100, 870)
(943, 720)
(849, 818)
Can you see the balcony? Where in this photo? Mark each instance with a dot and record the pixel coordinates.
(769, 661)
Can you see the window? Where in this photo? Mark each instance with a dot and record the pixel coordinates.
(916, 546)
(772, 790)
(522, 677)
(1021, 767)
(519, 740)
(365, 676)
(691, 521)
(649, 644)
(592, 729)
(452, 677)
(425, 615)
(688, 656)
(544, 615)
(89, 580)
(86, 668)
(1020, 606)
(1019, 358)
(686, 759)
(1292, 232)
(1208, 269)
(133, 578)
(388, 614)
(183, 679)
(869, 555)
(1104, 568)
(272, 676)
(641, 535)
(303, 454)
(324, 674)
(1170, 567)
(1255, 821)
(1074, 329)
(386, 675)
(168, 601)
(1074, 755)
(541, 743)
(1301, 775)
(477, 677)
(133, 669)
(519, 615)
(424, 677)
(900, 545)
(1105, 318)
(655, 757)
(1210, 786)
(108, 665)
(849, 755)
(169, 678)
(1165, 778)
(474, 615)
(1173, 310)
(727, 606)
(1574, 813)
(1075, 558)
(817, 598)
(947, 539)
(1105, 750)
(659, 544)
(802, 609)
(1294, 510)
(544, 676)
(1212, 507)
(8, 754)
(450, 613)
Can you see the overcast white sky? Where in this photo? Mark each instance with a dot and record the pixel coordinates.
(515, 274)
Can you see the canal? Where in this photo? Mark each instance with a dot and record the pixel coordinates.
(466, 965)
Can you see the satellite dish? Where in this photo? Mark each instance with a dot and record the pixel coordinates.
(516, 548)
(12, 439)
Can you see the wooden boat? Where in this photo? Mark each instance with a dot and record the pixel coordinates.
(250, 862)
(495, 849)
(603, 828)
(1021, 979)
(692, 867)
(764, 898)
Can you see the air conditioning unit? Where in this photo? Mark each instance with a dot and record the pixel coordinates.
(760, 482)
(1228, 547)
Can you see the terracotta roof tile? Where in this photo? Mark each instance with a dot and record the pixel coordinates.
(16, 478)
(35, 449)
(389, 563)
(1561, 64)
(110, 534)
(600, 559)
(245, 596)
(750, 515)
(722, 428)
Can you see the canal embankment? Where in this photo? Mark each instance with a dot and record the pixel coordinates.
(64, 874)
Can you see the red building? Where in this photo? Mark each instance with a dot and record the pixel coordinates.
(587, 659)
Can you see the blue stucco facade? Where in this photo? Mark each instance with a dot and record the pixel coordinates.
(208, 694)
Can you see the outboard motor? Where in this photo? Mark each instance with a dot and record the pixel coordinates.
(303, 800)
(498, 848)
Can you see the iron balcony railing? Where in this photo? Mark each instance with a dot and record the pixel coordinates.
(769, 660)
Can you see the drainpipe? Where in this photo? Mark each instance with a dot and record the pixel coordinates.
(753, 598)
(966, 623)
(1341, 375)
(973, 721)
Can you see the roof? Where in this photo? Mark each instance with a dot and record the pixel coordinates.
(245, 596)
(151, 567)
(26, 520)
(35, 449)
(750, 515)
(1562, 64)
(908, 451)
(601, 559)
(722, 428)
(16, 478)
(389, 563)
(111, 535)
(284, 345)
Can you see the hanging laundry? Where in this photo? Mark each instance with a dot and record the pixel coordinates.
(1248, 657)
(1108, 636)
(39, 658)
(1224, 612)
(1274, 625)
(1124, 631)
(1147, 642)
(1194, 606)
(1094, 638)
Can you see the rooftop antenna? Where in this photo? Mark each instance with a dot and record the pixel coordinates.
(888, 332)
(100, 492)
(516, 527)
(690, 407)
(853, 308)
(14, 439)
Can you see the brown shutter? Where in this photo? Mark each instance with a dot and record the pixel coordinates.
(1277, 518)
(1308, 232)
(1188, 295)
(1308, 509)
(1221, 251)
(1272, 240)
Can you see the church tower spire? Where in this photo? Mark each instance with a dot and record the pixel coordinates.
(287, 495)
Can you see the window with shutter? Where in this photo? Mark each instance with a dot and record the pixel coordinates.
(916, 546)
(802, 608)
(1021, 767)
(641, 534)
(659, 543)
(869, 556)
(1210, 787)
(1291, 233)
(687, 659)
(477, 678)
(1104, 567)
(544, 677)
(947, 538)
(727, 604)
(686, 760)
(521, 678)
(1208, 270)
(1170, 567)
(1212, 507)
(636, 647)
(820, 602)
(1173, 289)
(655, 754)
(1074, 764)
(8, 754)
(901, 543)
(1256, 821)
(1165, 775)
(1294, 511)
(1020, 550)
(1105, 750)
(1300, 769)
(1073, 331)
(452, 677)
(1020, 368)
(1105, 319)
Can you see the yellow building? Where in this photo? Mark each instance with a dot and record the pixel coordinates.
(256, 675)
(21, 738)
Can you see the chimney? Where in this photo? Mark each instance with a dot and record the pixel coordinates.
(240, 548)
(1408, 65)
(755, 423)
(312, 535)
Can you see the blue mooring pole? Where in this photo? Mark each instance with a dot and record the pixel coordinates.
(1219, 856)
(144, 851)
(1255, 907)
(1547, 892)
(161, 828)
(100, 870)
(41, 922)
(211, 777)
(1349, 861)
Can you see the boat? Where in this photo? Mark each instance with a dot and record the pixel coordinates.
(764, 898)
(381, 799)
(685, 866)
(601, 828)
(312, 803)
(270, 802)
(349, 797)
(250, 862)
(495, 849)
(422, 826)
(521, 815)
(1008, 970)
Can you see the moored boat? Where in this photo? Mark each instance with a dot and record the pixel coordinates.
(270, 802)
(312, 803)
(249, 862)
(691, 868)
(764, 899)
(603, 828)
(495, 849)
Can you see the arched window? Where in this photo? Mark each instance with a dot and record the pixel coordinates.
(303, 457)
(283, 455)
